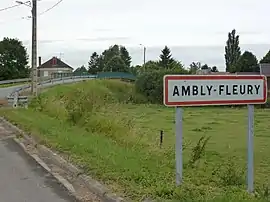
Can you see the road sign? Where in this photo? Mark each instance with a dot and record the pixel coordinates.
(198, 90)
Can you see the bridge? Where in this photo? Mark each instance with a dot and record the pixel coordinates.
(57, 79)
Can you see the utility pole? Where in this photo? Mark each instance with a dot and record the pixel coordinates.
(144, 52)
(144, 55)
(34, 48)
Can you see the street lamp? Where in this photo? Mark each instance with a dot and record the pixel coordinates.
(144, 52)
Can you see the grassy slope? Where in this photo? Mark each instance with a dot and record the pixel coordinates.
(117, 142)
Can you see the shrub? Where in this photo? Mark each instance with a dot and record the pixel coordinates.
(150, 84)
(231, 174)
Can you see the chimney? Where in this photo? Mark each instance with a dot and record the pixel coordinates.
(39, 61)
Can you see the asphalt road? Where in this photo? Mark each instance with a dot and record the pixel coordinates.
(4, 92)
(23, 180)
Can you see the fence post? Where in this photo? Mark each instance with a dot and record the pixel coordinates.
(15, 101)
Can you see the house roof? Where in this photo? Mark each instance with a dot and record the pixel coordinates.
(265, 69)
(54, 62)
(247, 73)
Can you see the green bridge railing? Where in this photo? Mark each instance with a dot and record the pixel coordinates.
(100, 75)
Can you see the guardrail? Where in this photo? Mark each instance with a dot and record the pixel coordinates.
(23, 80)
(17, 101)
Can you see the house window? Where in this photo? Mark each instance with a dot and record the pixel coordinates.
(54, 61)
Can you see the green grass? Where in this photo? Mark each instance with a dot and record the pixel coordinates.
(104, 127)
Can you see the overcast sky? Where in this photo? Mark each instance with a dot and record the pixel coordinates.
(194, 29)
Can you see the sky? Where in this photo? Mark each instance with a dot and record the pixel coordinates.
(194, 30)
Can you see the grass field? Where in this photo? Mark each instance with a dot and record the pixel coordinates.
(117, 142)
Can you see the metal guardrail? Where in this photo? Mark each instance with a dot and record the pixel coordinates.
(23, 80)
(17, 101)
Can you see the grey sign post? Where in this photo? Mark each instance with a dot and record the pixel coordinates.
(179, 145)
(250, 137)
(202, 90)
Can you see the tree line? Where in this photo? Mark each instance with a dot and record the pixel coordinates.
(117, 58)
(14, 60)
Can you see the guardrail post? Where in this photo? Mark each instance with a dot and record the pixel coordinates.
(15, 100)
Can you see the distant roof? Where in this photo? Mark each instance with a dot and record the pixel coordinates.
(265, 69)
(247, 73)
(54, 62)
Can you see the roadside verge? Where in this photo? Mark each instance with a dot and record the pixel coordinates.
(83, 187)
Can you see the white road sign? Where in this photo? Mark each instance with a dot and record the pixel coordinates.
(197, 90)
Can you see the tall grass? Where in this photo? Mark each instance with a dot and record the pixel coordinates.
(111, 132)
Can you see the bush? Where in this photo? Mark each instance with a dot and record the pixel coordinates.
(266, 105)
(150, 84)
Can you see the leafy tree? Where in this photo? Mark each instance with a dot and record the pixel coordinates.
(214, 69)
(247, 63)
(151, 66)
(150, 84)
(177, 65)
(194, 67)
(232, 51)
(80, 70)
(136, 70)
(266, 58)
(125, 56)
(13, 59)
(166, 58)
(94, 64)
(205, 66)
(116, 64)
(111, 52)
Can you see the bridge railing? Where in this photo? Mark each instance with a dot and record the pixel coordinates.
(24, 80)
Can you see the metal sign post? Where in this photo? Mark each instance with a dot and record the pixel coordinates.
(179, 145)
(205, 90)
(250, 164)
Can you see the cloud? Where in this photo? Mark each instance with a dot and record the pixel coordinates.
(104, 39)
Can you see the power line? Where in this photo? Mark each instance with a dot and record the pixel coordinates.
(10, 7)
(50, 7)
(29, 17)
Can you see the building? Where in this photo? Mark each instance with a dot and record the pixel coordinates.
(265, 70)
(53, 67)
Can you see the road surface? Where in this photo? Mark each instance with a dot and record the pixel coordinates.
(23, 180)
(4, 92)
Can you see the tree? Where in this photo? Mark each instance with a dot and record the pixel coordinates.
(114, 51)
(247, 63)
(80, 70)
(205, 66)
(194, 67)
(136, 70)
(13, 59)
(214, 69)
(266, 58)
(94, 64)
(124, 54)
(165, 58)
(232, 51)
(151, 65)
(116, 64)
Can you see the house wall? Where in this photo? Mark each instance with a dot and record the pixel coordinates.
(49, 71)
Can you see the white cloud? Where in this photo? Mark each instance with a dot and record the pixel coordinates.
(130, 22)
